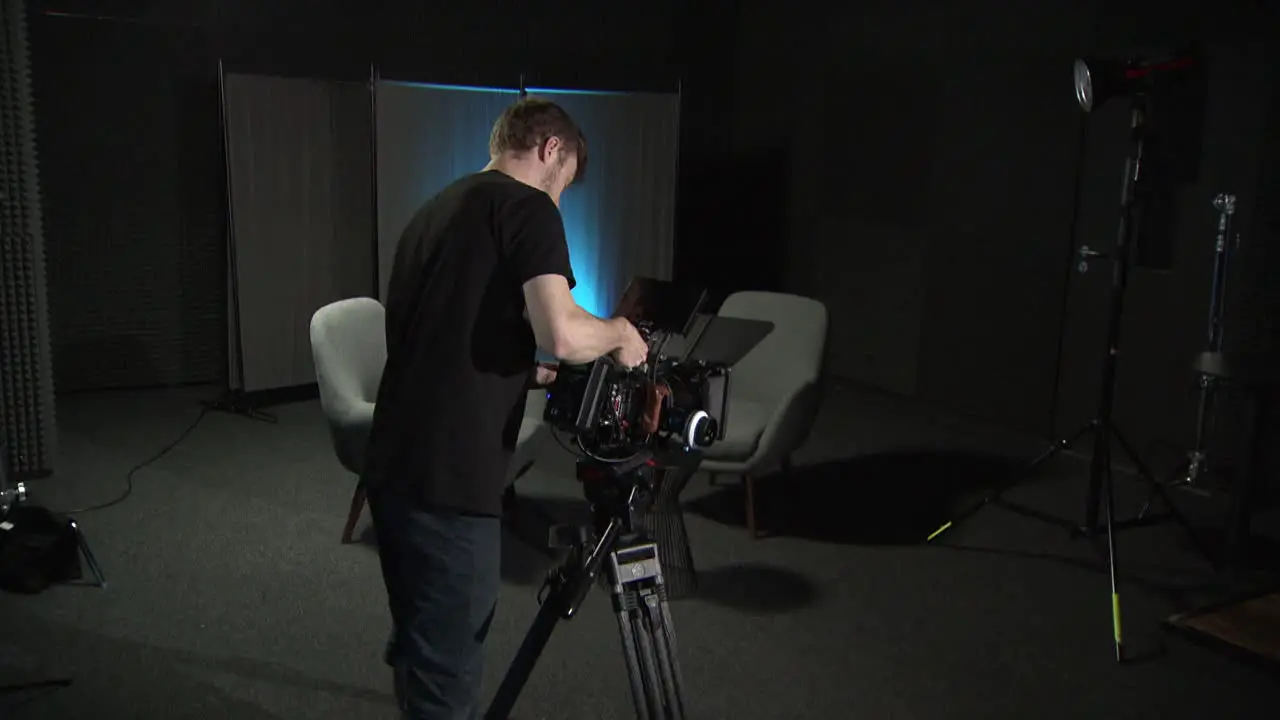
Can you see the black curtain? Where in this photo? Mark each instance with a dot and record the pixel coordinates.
(134, 195)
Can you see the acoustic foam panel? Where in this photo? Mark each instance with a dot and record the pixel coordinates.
(26, 374)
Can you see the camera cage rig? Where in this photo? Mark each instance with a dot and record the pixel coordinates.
(681, 393)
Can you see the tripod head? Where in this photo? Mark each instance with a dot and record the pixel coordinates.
(622, 492)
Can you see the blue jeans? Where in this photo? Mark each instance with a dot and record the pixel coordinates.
(442, 571)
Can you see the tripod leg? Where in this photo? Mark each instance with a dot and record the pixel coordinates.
(648, 661)
(648, 636)
(1158, 491)
(631, 628)
(627, 631)
(535, 641)
(1143, 471)
(658, 618)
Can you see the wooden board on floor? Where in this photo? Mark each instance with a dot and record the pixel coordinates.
(1251, 625)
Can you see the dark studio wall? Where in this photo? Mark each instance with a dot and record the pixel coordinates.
(913, 165)
(929, 162)
(130, 141)
(133, 202)
(931, 157)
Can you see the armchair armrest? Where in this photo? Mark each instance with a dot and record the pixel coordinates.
(786, 429)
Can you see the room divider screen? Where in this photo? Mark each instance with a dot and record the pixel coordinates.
(620, 222)
(324, 176)
(299, 169)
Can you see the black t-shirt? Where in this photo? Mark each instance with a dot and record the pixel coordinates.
(459, 349)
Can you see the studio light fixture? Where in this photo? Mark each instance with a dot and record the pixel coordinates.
(1098, 80)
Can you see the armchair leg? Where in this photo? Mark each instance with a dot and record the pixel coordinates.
(711, 479)
(353, 515)
(749, 486)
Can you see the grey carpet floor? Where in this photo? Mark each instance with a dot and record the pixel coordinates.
(230, 597)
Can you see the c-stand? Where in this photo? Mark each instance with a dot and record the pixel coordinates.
(1102, 427)
(619, 494)
(1211, 366)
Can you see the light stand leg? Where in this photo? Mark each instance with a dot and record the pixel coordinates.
(1111, 550)
(996, 496)
(35, 685)
(89, 559)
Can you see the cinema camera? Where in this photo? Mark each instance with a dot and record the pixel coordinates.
(638, 435)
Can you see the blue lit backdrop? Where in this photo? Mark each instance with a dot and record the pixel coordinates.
(619, 223)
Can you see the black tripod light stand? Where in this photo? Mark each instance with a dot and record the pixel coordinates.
(616, 552)
(1102, 428)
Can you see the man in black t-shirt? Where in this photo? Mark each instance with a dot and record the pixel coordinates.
(481, 278)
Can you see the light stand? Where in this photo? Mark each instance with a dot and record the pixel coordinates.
(1102, 427)
(618, 545)
(1211, 366)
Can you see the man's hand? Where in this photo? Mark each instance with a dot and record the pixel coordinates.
(633, 351)
(544, 375)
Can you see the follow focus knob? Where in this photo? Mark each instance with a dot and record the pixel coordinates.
(699, 430)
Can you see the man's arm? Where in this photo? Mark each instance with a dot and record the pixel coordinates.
(563, 328)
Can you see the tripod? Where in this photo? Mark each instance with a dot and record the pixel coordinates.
(618, 493)
(1102, 427)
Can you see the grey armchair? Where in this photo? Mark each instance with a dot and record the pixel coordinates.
(775, 392)
(349, 349)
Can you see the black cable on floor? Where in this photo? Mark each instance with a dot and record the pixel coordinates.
(128, 478)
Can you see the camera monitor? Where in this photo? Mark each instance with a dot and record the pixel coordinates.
(663, 306)
(719, 340)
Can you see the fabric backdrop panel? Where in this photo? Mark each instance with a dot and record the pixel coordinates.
(299, 161)
(620, 223)
(428, 136)
(621, 219)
